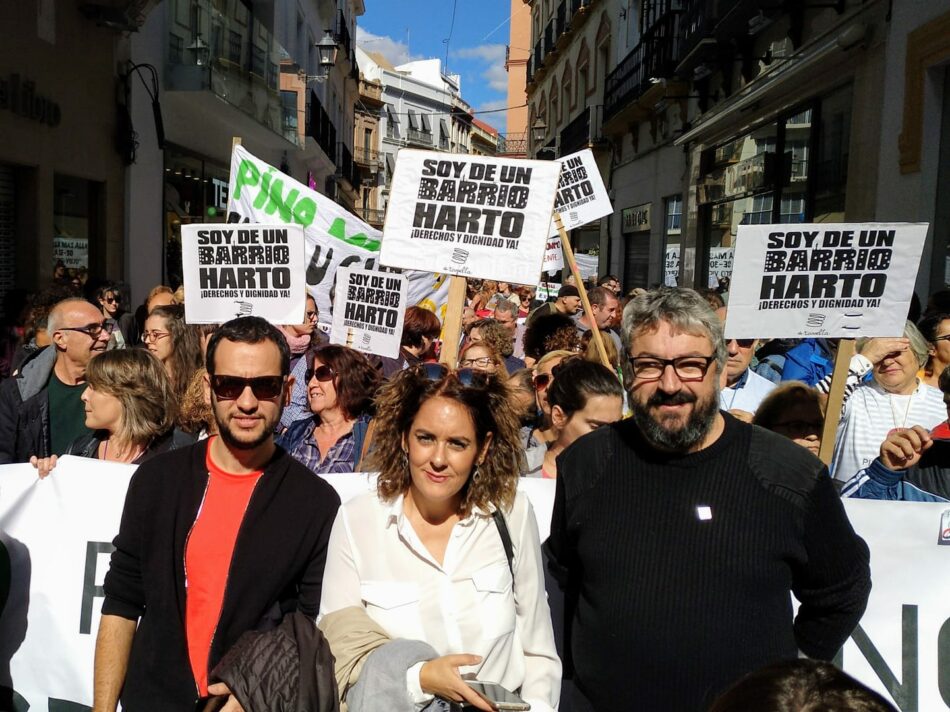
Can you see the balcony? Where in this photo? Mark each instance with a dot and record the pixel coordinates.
(319, 126)
(513, 145)
(584, 131)
(366, 157)
(373, 216)
(653, 59)
(222, 57)
(419, 137)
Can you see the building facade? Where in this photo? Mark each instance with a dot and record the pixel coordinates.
(236, 69)
(719, 113)
(64, 143)
(422, 108)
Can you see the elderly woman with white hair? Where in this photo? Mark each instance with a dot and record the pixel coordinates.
(894, 397)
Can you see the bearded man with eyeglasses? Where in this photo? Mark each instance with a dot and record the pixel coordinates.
(41, 411)
(216, 539)
(680, 534)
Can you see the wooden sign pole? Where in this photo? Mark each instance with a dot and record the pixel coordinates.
(835, 399)
(452, 326)
(572, 264)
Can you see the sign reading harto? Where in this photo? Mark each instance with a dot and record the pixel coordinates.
(827, 280)
(469, 215)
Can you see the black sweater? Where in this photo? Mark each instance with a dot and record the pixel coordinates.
(277, 565)
(666, 608)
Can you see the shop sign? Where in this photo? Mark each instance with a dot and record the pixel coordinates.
(635, 219)
(19, 96)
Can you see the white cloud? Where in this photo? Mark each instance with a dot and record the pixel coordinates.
(395, 51)
(495, 74)
(497, 118)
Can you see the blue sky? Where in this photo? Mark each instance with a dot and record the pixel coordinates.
(405, 30)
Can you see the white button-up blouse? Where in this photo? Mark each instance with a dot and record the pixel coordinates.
(465, 605)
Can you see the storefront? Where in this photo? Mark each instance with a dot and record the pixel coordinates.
(61, 174)
(792, 169)
(635, 225)
(195, 191)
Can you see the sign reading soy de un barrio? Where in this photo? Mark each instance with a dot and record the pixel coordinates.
(474, 216)
(369, 310)
(823, 280)
(243, 269)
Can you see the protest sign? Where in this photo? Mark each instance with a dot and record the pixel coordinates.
(335, 238)
(57, 534)
(553, 255)
(369, 311)
(581, 194)
(824, 280)
(671, 272)
(471, 216)
(243, 270)
(720, 261)
(73, 252)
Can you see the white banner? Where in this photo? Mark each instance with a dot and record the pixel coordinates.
(581, 194)
(369, 311)
(243, 270)
(827, 280)
(57, 533)
(472, 216)
(335, 238)
(672, 266)
(57, 536)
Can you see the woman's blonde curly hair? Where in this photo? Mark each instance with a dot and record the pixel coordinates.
(486, 400)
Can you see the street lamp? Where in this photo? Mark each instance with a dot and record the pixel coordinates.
(327, 49)
(200, 50)
(539, 130)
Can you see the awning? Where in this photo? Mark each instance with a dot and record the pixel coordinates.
(425, 123)
(413, 123)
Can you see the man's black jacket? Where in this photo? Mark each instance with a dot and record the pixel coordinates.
(277, 565)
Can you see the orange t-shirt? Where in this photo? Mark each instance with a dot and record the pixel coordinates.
(208, 559)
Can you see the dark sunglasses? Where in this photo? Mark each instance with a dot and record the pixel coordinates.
(323, 374)
(742, 343)
(112, 300)
(263, 387)
(468, 377)
(541, 381)
(91, 330)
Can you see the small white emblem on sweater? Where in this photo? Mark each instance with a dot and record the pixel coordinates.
(703, 513)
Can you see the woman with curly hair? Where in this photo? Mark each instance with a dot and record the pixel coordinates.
(550, 332)
(341, 384)
(498, 337)
(424, 557)
(176, 344)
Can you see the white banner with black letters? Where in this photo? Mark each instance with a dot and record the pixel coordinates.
(826, 280)
(56, 534)
(369, 311)
(581, 194)
(243, 270)
(473, 216)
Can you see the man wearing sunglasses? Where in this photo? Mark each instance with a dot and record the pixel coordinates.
(41, 410)
(744, 388)
(216, 539)
(679, 534)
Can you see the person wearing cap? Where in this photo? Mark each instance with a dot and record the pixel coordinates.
(567, 303)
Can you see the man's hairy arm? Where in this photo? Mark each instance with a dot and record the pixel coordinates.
(113, 646)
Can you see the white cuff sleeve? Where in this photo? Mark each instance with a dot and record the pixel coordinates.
(414, 686)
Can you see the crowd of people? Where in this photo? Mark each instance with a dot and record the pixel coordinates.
(689, 499)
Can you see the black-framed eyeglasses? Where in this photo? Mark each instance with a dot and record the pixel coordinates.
(468, 377)
(687, 368)
(322, 373)
(263, 387)
(92, 330)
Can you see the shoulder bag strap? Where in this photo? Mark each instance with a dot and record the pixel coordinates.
(505, 540)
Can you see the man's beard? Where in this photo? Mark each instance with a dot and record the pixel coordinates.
(697, 426)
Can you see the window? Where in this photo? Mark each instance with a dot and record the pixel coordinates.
(234, 47)
(426, 126)
(760, 212)
(443, 135)
(258, 61)
(175, 47)
(272, 75)
(674, 214)
(413, 121)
